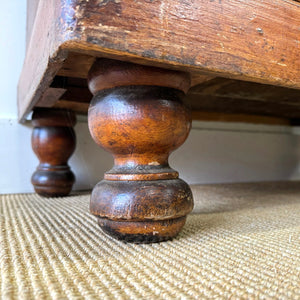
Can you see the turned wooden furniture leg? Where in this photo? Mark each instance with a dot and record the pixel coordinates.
(53, 141)
(138, 115)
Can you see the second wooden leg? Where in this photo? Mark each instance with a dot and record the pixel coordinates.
(53, 141)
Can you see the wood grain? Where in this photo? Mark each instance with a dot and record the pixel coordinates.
(253, 40)
(249, 40)
(43, 59)
(218, 95)
(76, 65)
(140, 122)
(237, 89)
(50, 97)
(240, 106)
(207, 116)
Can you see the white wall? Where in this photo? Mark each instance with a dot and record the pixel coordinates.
(214, 152)
(12, 52)
(234, 152)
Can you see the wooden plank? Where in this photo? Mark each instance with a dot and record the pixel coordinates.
(243, 39)
(197, 79)
(78, 107)
(43, 58)
(76, 65)
(77, 94)
(50, 96)
(238, 106)
(240, 118)
(77, 90)
(243, 90)
(217, 95)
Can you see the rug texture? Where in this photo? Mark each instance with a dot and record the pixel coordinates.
(243, 243)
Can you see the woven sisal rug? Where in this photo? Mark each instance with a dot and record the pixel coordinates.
(244, 243)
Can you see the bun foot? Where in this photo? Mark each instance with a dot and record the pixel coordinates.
(142, 211)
